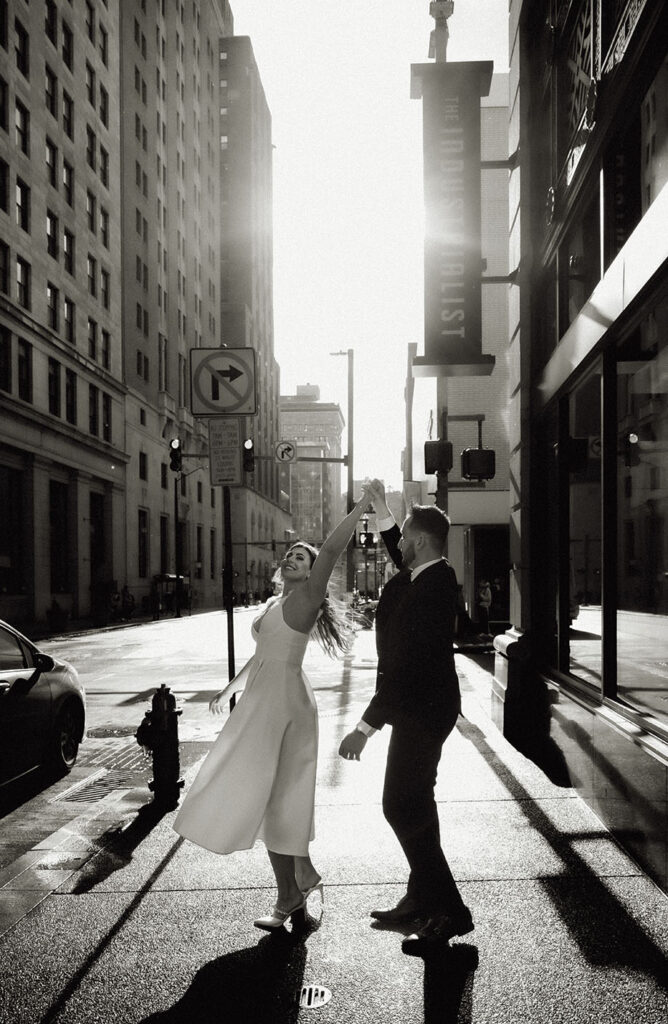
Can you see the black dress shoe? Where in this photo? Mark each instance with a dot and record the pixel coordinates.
(437, 932)
(406, 910)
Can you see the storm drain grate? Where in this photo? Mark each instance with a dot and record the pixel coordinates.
(104, 782)
(313, 996)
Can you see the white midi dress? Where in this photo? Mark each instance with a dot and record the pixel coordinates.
(258, 780)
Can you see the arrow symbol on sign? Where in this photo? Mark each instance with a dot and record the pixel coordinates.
(231, 373)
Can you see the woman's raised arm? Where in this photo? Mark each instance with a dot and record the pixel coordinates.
(332, 548)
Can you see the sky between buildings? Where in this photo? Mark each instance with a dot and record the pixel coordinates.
(348, 196)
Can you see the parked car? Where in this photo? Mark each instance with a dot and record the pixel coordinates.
(42, 708)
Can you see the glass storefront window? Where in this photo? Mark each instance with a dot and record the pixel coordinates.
(642, 541)
(584, 512)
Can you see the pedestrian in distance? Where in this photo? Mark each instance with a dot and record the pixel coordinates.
(417, 694)
(258, 780)
(484, 604)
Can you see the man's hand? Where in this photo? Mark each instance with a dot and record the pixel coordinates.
(352, 745)
(376, 491)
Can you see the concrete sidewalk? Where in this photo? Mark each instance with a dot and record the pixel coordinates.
(151, 928)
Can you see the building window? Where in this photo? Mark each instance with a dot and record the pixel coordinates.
(91, 211)
(22, 205)
(4, 105)
(106, 417)
(143, 466)
(69, 317)
(91, 270)
(92, 338)
(104, 167)
(68, 183)
(104, 106)
(93, 410)
(54, 387)
(6, 359)
(23, 283)
(91, 147)
(52, 163)
(53, 306)
(199, 552)
(90, 84)
(25, 369)
(22, 128)
(71, 397)
(52, 232)
(163, 476)
(68, 251)
(68, 115)
(4, 268)
(142, 544)
(90, 21)
(199, 491)
(22, 48)
(104, 45)
(212, 554)
(104, 288)
(51, 22)
(4, 186)
(51, 91)
(68, 46)
(106, 350)
(104, 227)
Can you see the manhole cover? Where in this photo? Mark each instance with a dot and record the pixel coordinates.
(313, 996)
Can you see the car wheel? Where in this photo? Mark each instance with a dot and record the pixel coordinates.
(66, 738)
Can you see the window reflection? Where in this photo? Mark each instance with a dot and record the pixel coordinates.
(642, 483)
(585, 530)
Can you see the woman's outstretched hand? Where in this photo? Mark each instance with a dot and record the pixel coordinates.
(218, 706)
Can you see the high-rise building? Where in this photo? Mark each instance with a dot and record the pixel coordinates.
(62, 425)
(172, 220)
(314, 487)
(260, 518)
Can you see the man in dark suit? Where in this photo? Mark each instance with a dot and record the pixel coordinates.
(418, 695)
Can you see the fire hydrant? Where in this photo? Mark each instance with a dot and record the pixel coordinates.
(158, 733)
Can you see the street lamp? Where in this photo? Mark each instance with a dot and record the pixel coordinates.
(350, 503)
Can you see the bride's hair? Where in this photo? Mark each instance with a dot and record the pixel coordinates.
(332, 629)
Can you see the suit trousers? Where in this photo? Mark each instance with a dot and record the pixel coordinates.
(410, 809)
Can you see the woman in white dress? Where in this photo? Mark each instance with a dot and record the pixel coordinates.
(258, 780)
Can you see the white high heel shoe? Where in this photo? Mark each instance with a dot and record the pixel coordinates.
(277, 920)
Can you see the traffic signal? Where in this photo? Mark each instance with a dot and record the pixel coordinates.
(478, 463)
(248, 455)
(437, 456)
(366, 539)
(175, 455)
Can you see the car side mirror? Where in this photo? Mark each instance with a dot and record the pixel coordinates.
(44, 662)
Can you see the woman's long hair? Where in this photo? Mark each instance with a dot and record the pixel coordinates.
(332, 628)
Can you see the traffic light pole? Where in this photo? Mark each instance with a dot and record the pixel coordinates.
(177, 553)
(228, 581)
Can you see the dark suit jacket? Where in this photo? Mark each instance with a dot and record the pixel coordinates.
(417, 680)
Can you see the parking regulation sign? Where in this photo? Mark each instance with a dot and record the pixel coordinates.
(225, 451)
(222, 381)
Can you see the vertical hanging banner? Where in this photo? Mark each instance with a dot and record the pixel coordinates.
(451, 95)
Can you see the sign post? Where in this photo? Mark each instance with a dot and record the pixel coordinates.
(222, 387)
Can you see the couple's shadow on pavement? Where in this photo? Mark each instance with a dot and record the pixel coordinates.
(257, 985)
(262, 985)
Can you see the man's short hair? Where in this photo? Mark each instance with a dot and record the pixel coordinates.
(431, 520)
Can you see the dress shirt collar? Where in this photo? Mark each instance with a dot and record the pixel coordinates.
(419, 568)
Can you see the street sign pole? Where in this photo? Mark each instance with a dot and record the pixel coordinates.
(228, 584)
